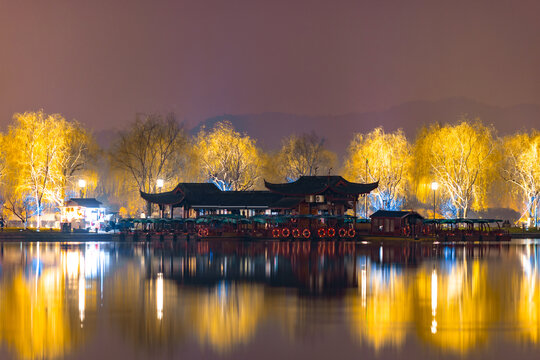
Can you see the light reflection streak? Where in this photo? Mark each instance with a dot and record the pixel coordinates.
(434, 301)
(159, 296)
(82, 297)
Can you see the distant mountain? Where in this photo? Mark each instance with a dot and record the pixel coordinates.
(270, 128)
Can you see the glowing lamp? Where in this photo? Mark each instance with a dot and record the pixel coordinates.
(82, 183)
(434, 185)
(159, 183)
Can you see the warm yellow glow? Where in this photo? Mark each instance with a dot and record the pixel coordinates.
(228, 316)
(383, 157)
(527, 301)
(364, 286)
(458, 318)
(159, 296)
(434, 301)
(463, 158)
(42, 157)
(382, 319)
(82, 297)
(72, 262)
(434, 186)
(521, 169)
(33, 316)
(229, 159)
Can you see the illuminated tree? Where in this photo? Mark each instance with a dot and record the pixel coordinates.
(42, 154)
(462, 158)
(305, 155)
(227, 158)
(154, 148)
(79, 153)
(383, 157)
(521, 167)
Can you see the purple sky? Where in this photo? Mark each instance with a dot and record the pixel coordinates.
(102, 61)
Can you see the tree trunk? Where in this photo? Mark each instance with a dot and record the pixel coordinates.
(148, 209)
(38, 223)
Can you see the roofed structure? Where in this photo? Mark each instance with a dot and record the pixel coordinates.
(396, 222)
(317, 185)
(333, 195)
(85, 202)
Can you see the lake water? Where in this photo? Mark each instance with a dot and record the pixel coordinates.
(273, 300)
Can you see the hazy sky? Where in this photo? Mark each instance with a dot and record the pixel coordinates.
(102, 61)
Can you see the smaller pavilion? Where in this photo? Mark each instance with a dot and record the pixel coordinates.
(386, 222)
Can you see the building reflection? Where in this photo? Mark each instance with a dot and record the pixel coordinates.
(39, 318)
(219, 296)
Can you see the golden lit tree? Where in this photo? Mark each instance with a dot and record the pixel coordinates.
(227, 158)
(521, 167)
(383, 157)
(305, 155)
(154, 148)
(42, 154)
(78, 157)
(462, 158)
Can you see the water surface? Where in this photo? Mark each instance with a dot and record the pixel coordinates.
(245, 300)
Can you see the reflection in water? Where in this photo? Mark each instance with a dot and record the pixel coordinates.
(35, 318)
(218, 296)
(227, 315)
(461, 306)
(381, 313)
(527, 314)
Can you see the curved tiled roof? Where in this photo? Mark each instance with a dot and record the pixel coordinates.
(313, 185)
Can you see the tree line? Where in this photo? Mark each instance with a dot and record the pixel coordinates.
(43, 156)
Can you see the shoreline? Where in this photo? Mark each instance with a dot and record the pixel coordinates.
(52, 237)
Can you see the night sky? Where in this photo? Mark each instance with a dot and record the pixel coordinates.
(100, 62)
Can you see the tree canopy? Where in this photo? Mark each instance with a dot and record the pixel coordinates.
(305, 155)
(461, 158)
(42, 154)
(382, 157)
(227, 158)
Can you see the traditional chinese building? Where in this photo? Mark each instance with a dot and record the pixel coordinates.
(322, 194)
(307, 195)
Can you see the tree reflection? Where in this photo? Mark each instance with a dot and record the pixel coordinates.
(35, 320)
(151, 313)
(463, 309)
(381, 311)
(526, 297)
(227, 315)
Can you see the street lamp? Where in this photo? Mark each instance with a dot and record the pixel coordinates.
(434, 187)
(159, 184)
(82, 185)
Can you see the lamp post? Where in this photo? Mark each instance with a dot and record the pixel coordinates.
(366, 195)
(159, 184)
(434, 187)
(82, 186)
